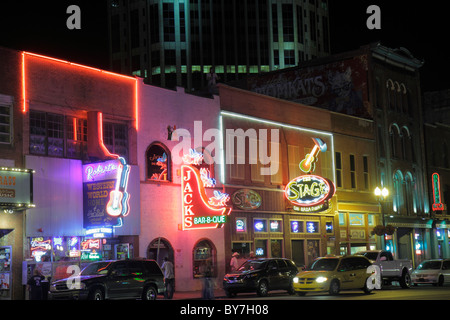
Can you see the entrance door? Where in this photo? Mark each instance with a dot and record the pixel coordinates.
(298, 252)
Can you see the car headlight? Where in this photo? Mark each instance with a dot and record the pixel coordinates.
(295, 280)
(321, 279)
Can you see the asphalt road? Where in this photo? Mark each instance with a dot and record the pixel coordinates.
(421, 292)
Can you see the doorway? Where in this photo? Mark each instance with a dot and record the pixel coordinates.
(160, 248)
(298, 252)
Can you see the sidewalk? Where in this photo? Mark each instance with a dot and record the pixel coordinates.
(195, 295)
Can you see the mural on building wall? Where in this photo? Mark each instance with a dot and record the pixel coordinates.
(339, 86)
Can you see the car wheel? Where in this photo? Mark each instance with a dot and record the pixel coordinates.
(334, 287)
(366, 289)
(96, 294)
(230, 294)
(150, 293)
(405, 281)
(263, 288)
(441, 281)
(291, 290)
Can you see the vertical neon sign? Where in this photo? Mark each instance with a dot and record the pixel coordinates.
(199, 211)
(437, 205)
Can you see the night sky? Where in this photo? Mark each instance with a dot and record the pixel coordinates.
(40, 27)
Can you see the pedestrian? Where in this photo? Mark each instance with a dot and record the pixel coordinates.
(169, 278)
(234, 265)
(206, 273)
(34, 285)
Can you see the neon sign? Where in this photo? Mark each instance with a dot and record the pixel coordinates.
(198, 210)
(309, 191)
(437, 205)
(92, 171)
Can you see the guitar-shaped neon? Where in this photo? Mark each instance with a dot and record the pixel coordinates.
(119, 198)
(308, 164)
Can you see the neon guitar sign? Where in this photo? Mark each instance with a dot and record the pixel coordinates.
(308, 164)
(118, 204)
(310, 193)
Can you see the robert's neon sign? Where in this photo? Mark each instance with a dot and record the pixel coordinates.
(199, 211)
(437, 205)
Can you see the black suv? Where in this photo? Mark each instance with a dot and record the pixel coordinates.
(118, 279)
(261, 275)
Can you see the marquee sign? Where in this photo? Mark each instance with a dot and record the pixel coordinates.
(198, 210)
(310, 193)
(106, 200)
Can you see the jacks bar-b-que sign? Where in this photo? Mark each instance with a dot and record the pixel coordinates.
(198, 210)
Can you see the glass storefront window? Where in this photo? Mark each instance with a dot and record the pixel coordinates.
(297, 226)
(205, 257)
(261, 248)
(356, 219)
(241, 225)
(260, 225)
(276, 248)
(312, 227)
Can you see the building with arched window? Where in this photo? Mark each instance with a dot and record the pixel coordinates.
(174, 128)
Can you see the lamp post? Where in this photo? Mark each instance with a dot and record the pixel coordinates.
(381, 195)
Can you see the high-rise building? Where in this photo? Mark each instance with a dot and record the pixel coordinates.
(177, 42)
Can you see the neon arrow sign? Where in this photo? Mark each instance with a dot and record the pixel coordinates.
(437, 205)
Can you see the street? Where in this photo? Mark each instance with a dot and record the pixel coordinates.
(421, 292)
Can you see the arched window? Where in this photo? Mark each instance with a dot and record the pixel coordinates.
(204, 259)
(395, 144)
(406, 144)
(159, 163)
(410, 194)
(398, 198)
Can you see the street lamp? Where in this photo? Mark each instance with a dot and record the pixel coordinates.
(381, 195)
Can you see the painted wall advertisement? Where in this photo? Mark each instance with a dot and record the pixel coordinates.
(339, 86)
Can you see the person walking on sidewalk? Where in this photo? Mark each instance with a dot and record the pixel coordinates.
(234, 265)
(169, 278)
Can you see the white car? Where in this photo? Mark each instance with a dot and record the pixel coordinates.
(435, 271)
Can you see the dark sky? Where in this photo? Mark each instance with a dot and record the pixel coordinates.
(40, 27)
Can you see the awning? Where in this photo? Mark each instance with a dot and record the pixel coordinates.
(406, 222)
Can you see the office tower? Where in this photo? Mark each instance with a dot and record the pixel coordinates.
(176, 42)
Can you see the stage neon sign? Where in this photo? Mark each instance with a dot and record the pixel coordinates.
(198, 210)
(310, 193)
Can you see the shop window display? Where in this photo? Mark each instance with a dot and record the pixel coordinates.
(205, 254)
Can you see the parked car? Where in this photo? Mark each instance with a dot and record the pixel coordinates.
(116, 279)
(334, 274)
(435, 271)
(261, 276)
(391, 269)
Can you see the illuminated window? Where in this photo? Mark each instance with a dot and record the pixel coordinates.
(158, 163)
(338, 170)
(275, 225)
(260, 225)
(312, 227)
(241, 225)
(356, 219)
(297, 226)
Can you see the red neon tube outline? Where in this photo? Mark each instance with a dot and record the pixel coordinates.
(24, 107)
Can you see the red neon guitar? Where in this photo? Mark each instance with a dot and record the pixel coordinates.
(308, 164)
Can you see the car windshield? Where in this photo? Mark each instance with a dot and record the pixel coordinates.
(369, 255)
(324, 264)
(97, 268)
(251, 265)
(430, 265)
